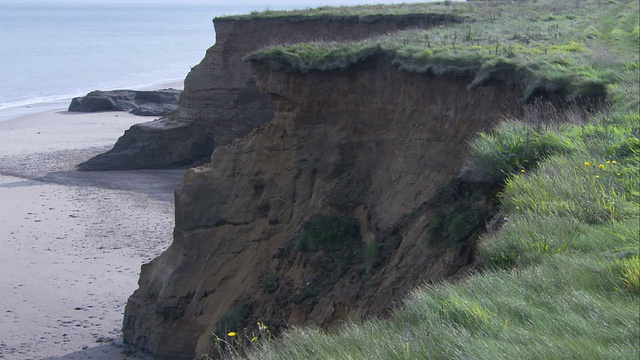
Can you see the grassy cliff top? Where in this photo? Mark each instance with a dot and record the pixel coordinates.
(549, 42)
(352, 11)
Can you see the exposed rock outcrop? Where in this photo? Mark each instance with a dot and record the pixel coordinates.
(367, 155)
(143, 103)
(221, 102)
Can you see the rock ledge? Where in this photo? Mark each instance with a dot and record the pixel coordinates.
(143, 103)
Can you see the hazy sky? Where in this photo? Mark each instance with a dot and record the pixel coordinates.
(232, 6)
(273, 3)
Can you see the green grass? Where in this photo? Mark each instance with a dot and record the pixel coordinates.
(320, 55)
(548, 45)
(514, 146)
(234, 319)
(328, 232)
(568, 308)
(458, 210)
(360, 12)
(561, 277)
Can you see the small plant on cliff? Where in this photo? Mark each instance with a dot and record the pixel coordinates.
(237, 343)
(331, 244)
(234, 319)
(270, 284)
(458, 211)
(370, 256)
(328, 232)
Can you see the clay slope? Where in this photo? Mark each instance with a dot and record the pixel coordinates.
(328, 210)
(221, 102)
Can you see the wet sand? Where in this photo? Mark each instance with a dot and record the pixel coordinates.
(71, 242)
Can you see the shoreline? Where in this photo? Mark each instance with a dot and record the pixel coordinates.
(73, 242)
(27, 108)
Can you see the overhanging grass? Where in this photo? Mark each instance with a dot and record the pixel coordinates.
(549, 45)
(363, 12)
(322, 56)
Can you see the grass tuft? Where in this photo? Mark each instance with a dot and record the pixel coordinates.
(513, 147)
(329, 232)
(631, 274)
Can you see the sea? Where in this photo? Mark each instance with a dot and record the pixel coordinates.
(53, 50)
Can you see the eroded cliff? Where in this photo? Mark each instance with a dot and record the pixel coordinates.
(332, 209)
(221, 102)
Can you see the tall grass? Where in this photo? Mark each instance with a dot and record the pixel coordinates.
(568, 308)
(513, 146)
(561, 278)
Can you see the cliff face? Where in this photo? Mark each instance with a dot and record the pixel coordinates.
(321, 213)
(220, 101)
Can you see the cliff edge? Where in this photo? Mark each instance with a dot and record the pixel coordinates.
(221, 101)
(322, 212)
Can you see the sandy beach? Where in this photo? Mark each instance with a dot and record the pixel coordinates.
(72, 243)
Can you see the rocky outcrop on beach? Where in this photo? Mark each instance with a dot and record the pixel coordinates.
(143, 103)
(221, 101)
(368, 155)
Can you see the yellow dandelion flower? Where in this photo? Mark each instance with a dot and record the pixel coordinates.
(597, 176)
(522, 171)
(619, 174)
(608, 162)
(254, 339)
(232, 334)
(614, 162)
(601, 166)
(586, 163)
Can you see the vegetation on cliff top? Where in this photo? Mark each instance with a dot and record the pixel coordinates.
(549, 45)
(561, 276)
(362, 12)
